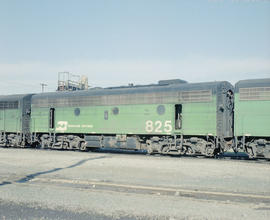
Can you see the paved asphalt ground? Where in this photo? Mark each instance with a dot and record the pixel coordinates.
(44, 184)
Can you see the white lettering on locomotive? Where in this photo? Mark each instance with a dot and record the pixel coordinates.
(158, 126)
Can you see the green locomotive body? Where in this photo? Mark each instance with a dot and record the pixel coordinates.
(168, 117)
(252, 116)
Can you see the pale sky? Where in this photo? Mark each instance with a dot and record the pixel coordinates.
(116, 42)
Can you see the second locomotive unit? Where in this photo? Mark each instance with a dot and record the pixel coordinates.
(252, 117)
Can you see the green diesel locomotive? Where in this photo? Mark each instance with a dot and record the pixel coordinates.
(171, 117)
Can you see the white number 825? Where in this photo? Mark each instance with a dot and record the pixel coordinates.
(157, 127)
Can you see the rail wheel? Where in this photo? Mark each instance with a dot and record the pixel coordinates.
(83, 146)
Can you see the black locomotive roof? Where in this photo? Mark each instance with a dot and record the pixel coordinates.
(136, 89)
(252, 83)
(9, 98)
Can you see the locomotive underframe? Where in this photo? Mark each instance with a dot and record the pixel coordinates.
(13, 139)
(255, 147)
(173, 145)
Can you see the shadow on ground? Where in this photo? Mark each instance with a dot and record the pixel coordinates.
(33, 175)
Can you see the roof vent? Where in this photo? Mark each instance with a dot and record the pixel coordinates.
(171, 81)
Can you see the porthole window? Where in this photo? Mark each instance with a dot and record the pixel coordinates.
(115, 111)
(77, 111)
(161, 109)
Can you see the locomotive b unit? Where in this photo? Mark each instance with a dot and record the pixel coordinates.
(172, 117)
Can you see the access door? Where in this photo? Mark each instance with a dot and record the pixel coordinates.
(178, 116)
(52, 118)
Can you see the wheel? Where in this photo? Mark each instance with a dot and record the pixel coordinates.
(165, 150)
(150, 150)
(83, 146)
(209, 151)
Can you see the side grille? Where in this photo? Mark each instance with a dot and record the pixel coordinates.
(255, 93)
